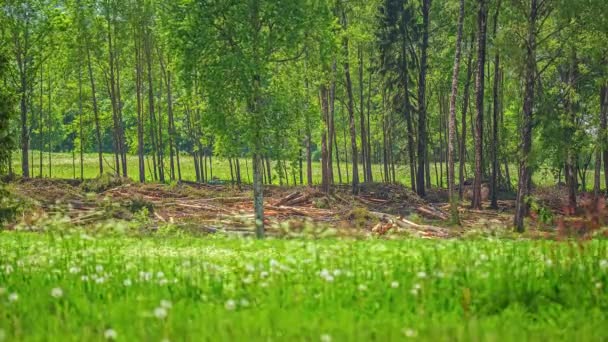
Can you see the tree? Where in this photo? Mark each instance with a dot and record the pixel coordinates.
(482, 18)
(452, 119)
(422, 124)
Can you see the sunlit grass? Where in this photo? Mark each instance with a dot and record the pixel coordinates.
(78, 288)
(67, 165)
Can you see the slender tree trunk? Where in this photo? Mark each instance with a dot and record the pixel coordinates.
(452, 120)
(479, 89)
(571, 153)
(140, 114)
(365, 156)
(422, 125)
(495, 113)
(308, 159)
(95, 112)
(604, 129)
(330, 126)
(351, 109)
(41, 125)
(80, 122)
(325, 164)
(525, 171)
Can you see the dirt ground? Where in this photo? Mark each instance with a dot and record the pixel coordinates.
(378, 209)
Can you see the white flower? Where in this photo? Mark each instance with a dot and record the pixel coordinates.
(395, 284)
(100, 280)
(549, 262)
(160, 274)
(250, 268)
(110, 334)
(264, 284)
(324, 273)
(362, 287)
(127, 282)
(163, 282)
(160, 312)
(57, 293)
(421, 274)
(8, 269)
(247, 280)
(409, 332)
(274, 263)
(230, 304)
(13, 297)
(74, 269)
(325, 338)
(598, 285)
(329, 279)
(263, 274)
(166, 304)
(84, 278)
(603, 264)
(483, 257)
(337, 272)
(244, 303)
(98, 268)
(145, 275)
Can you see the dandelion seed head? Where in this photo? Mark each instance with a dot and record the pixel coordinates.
(99, 268)
(395, 284)
(421, 275)
(110, 334)
(604, 264)
(244, 303)
(160, 313)
(56, 292)
(230, 304)
(362, 287)
(13, 297)
(127, 282)
(325, 338)
(409, 332)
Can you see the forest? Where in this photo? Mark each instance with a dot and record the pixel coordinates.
(414, 168)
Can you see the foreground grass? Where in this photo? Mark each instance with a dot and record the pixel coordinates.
(75, 287)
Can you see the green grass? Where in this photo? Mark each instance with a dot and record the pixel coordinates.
(64, 166)
(74, 287)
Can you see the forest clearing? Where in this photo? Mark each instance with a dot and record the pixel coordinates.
(303, 170)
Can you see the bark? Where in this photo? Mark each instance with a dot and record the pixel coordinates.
(422, 126)
(571, 157)
(95, 111)
(330, 126)
(140, 115)
(80, 123)
(365, 156)
(525, 172)
(604, 129)
(479, 88)
(308, 159)
(325, 164)
(452, 119)
(495, 113)
(351, 109)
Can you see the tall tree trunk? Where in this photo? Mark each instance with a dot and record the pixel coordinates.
(452, 120)
(140, 116)
(571, 153)
(422, 125)
(525, 171)
(479, 89)
(364, 156)
(95, 112)
(308, 158)
(325, 164)
(604, 129)
(351, 108)
(330, 126)
(80, 122)
(495, 138)
(407, 110)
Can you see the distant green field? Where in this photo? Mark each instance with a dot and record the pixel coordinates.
(64, 166)
(79, 288)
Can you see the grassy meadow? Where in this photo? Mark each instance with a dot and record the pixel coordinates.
(66, 165)
(76, 287)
